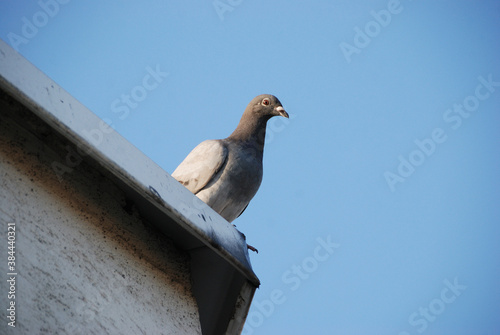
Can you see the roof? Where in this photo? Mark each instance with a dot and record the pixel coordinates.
(223, 280)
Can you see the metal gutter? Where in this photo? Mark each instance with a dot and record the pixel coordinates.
(223, 279)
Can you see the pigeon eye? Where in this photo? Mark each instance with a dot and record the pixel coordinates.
(266, 102)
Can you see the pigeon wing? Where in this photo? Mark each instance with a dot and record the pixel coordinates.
(201, 165)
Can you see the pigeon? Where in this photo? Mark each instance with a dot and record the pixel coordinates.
(226, 173)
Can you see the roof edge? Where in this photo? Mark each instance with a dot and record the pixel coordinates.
(177, 210)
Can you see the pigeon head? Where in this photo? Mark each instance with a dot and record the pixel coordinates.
(252, 125)
(266, 106)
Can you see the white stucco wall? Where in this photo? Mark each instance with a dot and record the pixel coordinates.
(84, 264)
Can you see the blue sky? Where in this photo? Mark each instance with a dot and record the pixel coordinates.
(379, 209)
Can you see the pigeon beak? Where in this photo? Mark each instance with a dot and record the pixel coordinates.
(281, 111)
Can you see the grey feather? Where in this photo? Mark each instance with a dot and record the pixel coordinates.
(201, 165)
(227, 173)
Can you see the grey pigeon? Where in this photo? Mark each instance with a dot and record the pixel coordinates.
(227, 173)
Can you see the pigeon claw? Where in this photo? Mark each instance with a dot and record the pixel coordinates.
(252, 248)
